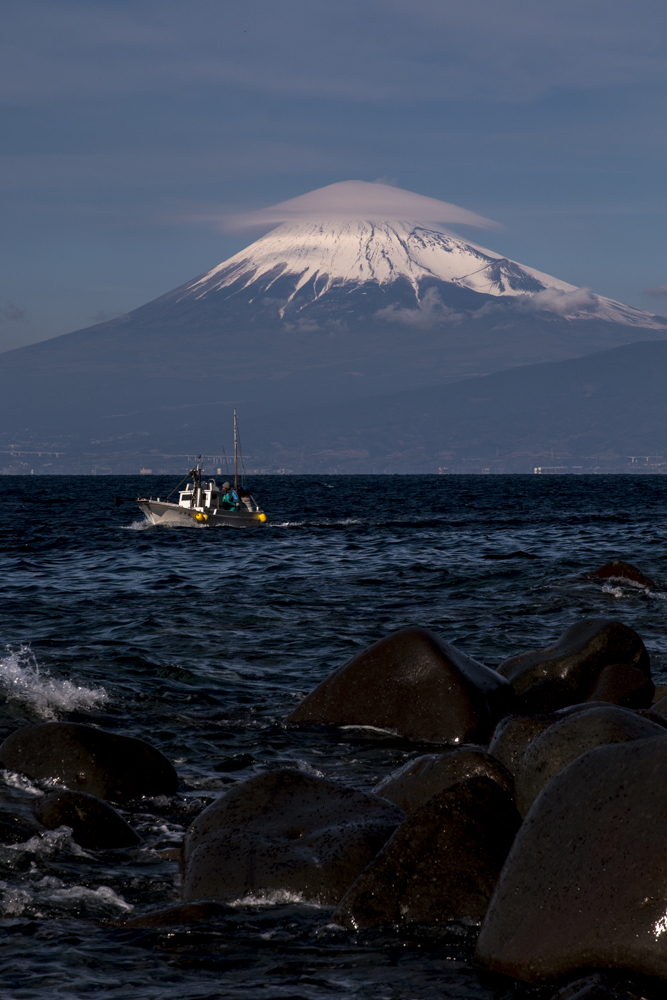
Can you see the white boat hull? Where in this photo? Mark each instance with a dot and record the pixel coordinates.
(162, 512)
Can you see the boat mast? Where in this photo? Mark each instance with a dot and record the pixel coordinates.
(236, 455)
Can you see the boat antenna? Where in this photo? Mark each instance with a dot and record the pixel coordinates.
(236, 454)
(226, 462)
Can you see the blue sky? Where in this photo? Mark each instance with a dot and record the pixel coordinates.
(125, 120)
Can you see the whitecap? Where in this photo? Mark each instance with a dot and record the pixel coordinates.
(22, 680)
(52, 892)
(275, 898)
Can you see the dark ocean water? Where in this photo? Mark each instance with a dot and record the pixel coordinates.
(202, 640)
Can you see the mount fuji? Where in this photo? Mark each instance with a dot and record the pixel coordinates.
(327, 308)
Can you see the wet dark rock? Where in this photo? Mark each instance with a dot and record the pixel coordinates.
(585, 884)
(621, 684)
(660, 707)
(560, 675)
(514, 734)
(414, 684)
(89, 760)
(441, 864)
(285, 831)
(569, 738)
(18, 822)
(657, 717)
(179, 914)
(619, 570)
(94, 823)
(412, 785)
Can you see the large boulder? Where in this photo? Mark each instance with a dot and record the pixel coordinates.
(585, 884)
(621, 684)
(412, 785)
(619, 570)
(514, 734)
(415, 685)
(285, 831)
(441, 864)
(568, 738)
(547, 679)
(94, 823)
(118, 768)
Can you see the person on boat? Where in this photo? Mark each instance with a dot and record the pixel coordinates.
(230, 497)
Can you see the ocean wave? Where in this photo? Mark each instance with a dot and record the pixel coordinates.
(51, 893)
(22, 680)
(277, 897)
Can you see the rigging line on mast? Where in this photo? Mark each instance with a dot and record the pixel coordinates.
(242, 462)
(236, 453)
(226, 462)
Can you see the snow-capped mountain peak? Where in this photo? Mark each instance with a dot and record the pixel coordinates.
(324, 255)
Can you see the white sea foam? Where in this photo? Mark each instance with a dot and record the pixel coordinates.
(275, 898)
(47, 844)
(15, 780)
(51, 892)
(22, 680)
(613, 591)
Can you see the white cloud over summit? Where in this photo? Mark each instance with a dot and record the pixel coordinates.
(376, 201)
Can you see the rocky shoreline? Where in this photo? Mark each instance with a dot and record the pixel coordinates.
(538, 815)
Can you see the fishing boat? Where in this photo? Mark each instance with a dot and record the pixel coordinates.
(203, 503)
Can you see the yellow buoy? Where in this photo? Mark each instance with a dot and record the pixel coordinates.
(261, 517)
(201, 517)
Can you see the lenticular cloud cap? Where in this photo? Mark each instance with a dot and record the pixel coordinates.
(363, 200)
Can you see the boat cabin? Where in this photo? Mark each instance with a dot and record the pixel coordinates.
(210, 495)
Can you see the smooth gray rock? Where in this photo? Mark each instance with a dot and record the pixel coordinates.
(560, 675)
(569, 738)
(412, 785)
(94, 823)
(441, 864)
(660, 707)
(285, 831)
(414, 684)
(180, 914)
(89, 760)
(621, 684)
(514, 734)
(585, 884)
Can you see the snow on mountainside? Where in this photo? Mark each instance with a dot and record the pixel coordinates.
(342, 254)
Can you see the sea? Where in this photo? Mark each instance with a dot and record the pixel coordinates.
(201, 640)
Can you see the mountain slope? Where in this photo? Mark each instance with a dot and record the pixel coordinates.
(606, 412)
(323, 256)
(314, 313)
